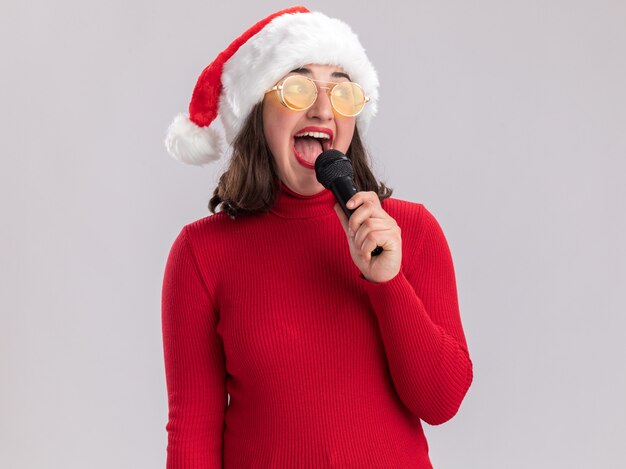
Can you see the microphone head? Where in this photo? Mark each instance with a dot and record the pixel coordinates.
(330, 165)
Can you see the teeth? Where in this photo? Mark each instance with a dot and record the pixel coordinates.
(313, 134)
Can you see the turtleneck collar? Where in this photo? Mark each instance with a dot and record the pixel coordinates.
(290, 204)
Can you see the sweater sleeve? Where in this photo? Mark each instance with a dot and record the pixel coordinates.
(194, 364)
(420, 325)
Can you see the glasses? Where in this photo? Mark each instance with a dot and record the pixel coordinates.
(298, 93)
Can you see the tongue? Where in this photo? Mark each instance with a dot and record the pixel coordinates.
(308, 148)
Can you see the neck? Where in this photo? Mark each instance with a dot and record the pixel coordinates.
(290, 204)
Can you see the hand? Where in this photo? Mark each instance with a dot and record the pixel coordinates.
(370, 226)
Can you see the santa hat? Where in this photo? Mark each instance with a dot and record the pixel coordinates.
(238, 78)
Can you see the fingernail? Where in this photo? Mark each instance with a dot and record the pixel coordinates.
(350, 204)
(350, 233)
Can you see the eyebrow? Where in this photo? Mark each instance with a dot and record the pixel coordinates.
(309, 72)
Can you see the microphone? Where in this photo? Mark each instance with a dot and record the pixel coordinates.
(334, 171)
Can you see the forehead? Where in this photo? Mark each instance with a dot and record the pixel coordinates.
(321, 72)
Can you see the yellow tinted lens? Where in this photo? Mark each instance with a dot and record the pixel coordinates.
(298, 92)
(348, 98)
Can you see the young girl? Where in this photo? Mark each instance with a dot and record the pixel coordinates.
(287, 344)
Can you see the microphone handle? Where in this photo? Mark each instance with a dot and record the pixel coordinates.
(344, 189)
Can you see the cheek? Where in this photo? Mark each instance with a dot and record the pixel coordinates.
(270, 135)
(271, 130)
(345, 131)
(277, 139)
(275, 125)
(271, 119)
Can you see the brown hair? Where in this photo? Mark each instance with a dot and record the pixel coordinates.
(249, 185)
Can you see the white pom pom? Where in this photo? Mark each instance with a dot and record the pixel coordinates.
(191, 144)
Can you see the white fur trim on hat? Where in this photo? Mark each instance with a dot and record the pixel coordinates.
(191, 144)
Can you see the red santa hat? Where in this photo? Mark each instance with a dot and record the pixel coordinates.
(231, 85)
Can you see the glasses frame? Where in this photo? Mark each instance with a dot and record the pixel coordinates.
(278, 87)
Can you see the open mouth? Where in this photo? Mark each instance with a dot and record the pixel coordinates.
(309, 143)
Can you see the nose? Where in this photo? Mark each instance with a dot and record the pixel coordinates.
(322, 109)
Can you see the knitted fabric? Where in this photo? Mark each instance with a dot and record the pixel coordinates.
(323, 368)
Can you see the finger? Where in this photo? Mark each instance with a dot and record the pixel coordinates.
(375, 238)
(369, 209)
(370, 225)
(360, 198)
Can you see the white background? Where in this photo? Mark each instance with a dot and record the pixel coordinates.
(506, 119)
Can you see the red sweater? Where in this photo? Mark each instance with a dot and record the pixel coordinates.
(323, 368)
